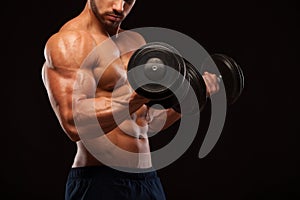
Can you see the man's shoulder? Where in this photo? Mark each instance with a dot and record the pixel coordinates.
(71, 38)
(68, 47)
(71, 41)
(133, 36)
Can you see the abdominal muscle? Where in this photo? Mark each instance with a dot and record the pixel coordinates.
(125, 146)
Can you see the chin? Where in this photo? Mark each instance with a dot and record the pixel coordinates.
(111, 26)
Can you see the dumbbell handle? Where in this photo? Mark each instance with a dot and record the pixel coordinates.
(219, 78)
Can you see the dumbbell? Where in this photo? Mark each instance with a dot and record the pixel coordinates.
(232, 76)
(157, 71)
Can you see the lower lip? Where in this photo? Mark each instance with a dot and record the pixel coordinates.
(112, 18)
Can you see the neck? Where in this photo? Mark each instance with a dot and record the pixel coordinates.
(114, 31)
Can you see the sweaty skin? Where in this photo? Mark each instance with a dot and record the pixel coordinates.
(99, 88)
(64, 79)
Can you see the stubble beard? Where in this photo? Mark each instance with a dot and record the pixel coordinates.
(110, 27)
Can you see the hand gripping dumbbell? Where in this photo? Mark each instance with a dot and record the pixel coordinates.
(157, 71)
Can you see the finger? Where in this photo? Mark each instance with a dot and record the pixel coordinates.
(211, 82)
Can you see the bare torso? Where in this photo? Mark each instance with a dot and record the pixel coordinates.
(88, 39)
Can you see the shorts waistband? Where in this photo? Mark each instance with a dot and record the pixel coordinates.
(109, 172)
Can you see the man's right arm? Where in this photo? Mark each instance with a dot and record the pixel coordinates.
(71, 89)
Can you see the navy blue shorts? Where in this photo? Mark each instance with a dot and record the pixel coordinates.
(105, 183)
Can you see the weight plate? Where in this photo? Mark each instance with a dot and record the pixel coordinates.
(198, 85)
(232, 76)
(161, 68)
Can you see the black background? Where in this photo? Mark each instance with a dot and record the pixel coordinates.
(257, 155)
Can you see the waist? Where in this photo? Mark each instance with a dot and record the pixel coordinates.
(111, 151)
(105, 172)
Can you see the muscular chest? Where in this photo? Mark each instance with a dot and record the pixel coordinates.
(113, 56)
(112, 74)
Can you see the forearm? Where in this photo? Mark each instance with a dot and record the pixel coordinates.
(162, 119)
(172, 117)
(107, 113)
